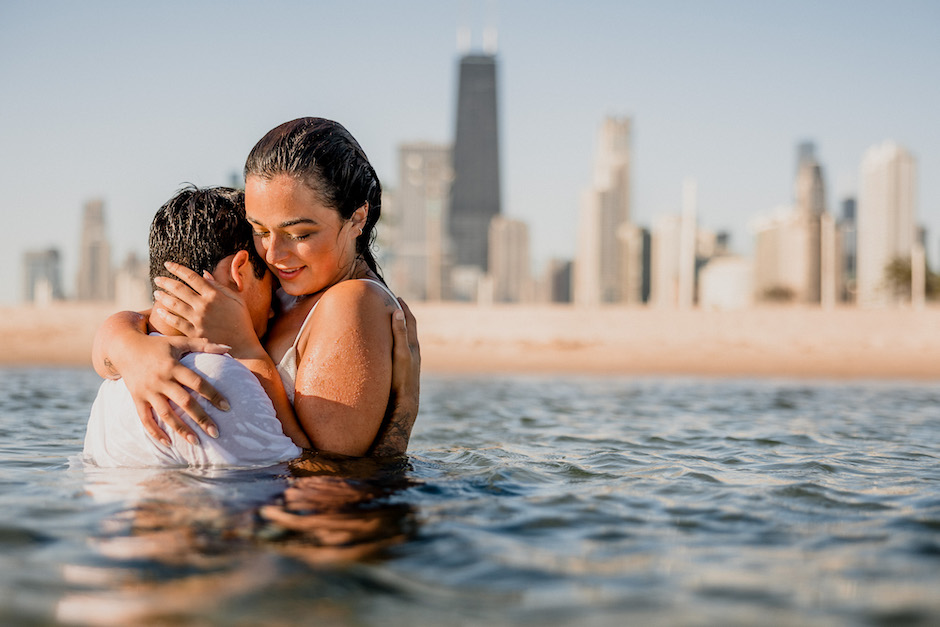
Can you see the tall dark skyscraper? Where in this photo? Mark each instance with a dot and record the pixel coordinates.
(475, 191)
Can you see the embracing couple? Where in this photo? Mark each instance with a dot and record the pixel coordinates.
(226, 369)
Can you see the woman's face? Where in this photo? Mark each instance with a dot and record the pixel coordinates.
(308, 246)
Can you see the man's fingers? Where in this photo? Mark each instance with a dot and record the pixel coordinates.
(411, 324)
(399, 332)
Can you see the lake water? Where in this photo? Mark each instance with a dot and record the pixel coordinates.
(524, 500)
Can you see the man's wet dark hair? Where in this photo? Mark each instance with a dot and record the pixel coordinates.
(198, 228)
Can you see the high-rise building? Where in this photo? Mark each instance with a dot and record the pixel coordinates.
(509, 260)
(674, 256)
(847, 256)
(635, 245)
(602, 266)
(725, 283)
(810, 206)
(95, 275)
(556, 282)
(475, 193)
(664, 260)
(789, 246)
(132, 287)
(42, 282)
(886, 221)
(418, 265)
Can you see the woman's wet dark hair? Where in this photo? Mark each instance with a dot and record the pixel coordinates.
(329, 160)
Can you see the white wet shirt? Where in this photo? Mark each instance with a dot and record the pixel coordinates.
(249, 434)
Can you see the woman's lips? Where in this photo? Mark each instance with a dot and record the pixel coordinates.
(288, 274)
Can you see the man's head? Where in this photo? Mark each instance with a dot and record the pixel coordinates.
(205, 230)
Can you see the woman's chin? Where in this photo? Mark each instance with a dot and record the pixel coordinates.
(293, 289)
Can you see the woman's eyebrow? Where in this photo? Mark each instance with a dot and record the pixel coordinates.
(286, 223)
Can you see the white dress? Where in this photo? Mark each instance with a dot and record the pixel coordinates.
(249, 434)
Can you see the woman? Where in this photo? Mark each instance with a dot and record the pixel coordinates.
(313, 201)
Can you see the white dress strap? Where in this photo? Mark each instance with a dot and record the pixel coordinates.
(287, 367)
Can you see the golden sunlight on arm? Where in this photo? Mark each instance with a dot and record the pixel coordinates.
(345, 369)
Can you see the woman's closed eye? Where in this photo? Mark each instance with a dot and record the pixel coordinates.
(297, 237)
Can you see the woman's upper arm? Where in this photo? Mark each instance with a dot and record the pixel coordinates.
(344, 374)
(108, 336)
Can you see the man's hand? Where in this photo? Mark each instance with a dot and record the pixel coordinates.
(406, 386)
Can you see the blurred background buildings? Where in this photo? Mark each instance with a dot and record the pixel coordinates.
(445, 235)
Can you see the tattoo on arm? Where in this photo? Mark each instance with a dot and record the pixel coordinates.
(110, 368)
(395, 431)
(392, 441)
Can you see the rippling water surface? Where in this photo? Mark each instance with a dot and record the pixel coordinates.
(523, 501)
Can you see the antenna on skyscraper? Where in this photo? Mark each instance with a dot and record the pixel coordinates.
(463, 30)
(490, 31)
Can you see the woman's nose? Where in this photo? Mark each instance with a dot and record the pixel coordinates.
(273, 251)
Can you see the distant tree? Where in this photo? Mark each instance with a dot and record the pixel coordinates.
(898, 278)
(778, 294)
(933, 285)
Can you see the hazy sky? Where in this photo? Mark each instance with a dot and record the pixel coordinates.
(129, 100)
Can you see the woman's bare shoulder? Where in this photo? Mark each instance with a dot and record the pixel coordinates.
(366, 295)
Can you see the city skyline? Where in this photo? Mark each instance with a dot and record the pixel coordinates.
(101, 107)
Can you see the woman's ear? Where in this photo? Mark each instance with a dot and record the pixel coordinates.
(359, 217)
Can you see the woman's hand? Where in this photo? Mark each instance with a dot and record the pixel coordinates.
(199, 307)
(153, 375)
(157, 378)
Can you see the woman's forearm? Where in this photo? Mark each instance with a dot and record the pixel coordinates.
(261, 365)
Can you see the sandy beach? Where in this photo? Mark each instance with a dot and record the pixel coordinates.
(458, 338)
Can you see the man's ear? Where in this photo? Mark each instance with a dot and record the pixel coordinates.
(241, 263)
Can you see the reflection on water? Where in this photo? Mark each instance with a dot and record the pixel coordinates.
(187, 541)
(523, 500)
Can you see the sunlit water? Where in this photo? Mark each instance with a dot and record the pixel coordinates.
(523, 501)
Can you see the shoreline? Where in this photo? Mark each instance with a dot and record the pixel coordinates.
(464, 339)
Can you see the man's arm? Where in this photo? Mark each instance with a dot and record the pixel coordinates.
(395, 431)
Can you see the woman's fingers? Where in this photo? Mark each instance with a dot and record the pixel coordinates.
(188, 404)
(203, 388)
(163, 410)
(183, 345)
(165, 298)
(179, 323)
(150, 424)
(186, 296)
(193, 280)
